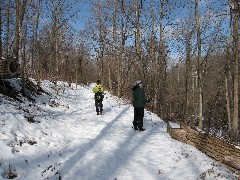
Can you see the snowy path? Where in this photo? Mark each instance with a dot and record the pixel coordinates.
(73, 141)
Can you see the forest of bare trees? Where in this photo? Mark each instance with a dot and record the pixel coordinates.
(186, 51)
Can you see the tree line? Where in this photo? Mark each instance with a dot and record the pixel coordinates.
(187, 52)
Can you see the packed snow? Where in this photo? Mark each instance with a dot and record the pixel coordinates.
(68, 141)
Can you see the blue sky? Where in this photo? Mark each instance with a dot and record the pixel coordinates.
(219, 7)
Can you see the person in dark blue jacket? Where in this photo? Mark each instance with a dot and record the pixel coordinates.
(139, 102)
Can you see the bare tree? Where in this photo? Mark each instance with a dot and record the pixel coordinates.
(122, 51)
(0, 32)
(162, 53)
(228, 80)
(199, 66)
(235, 121)
(152, 55)
(20, 13)
(189, 69)
(124, 30)
(101, 37)
(138, 41)
(36, 44)
(8, 33)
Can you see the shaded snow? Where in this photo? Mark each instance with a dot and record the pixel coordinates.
(74, 143)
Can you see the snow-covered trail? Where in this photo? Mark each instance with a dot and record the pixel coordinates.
(77, 144)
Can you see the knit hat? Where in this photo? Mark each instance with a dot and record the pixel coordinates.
(138, 82)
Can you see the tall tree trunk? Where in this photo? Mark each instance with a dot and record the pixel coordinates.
(161, 59)
(0, 32)
(228, 89)
(55, 64)
(56, 60)
(188, 72)
(20, 12)
(16, 40)
(199, 68)
(121, 58)
(8, 29)
(138, 42)
(153, 60)
(111, 58)
(114, 56)
(235, 121)
(101, 39)
(22, 55)
(76, 74)
(36, 45)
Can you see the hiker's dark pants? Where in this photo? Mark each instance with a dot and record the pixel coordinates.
(138, 117)
(99, 106)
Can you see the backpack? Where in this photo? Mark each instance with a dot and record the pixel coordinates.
(98, 90)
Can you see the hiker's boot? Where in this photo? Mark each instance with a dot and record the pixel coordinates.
(142, 129)
(136, 128)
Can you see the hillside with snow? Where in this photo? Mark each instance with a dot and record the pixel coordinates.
(53, 136)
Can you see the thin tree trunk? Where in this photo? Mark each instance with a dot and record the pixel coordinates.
(113, 47)
(8, 29)
(153, 59)
(236, 71)
(22, 55)
(76, 74)
(161, 58)
(0, 32)
(37, 46)
(20, 12)
(227, 87)
(188, 74)
(121, 58)
(16, 40)
(110, 74)
(199, 62)
(101, 39)
(138, 41)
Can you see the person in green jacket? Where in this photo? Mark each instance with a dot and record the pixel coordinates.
(99, 95)
(139, 102)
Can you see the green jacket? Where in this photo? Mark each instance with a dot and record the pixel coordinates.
(139, 99)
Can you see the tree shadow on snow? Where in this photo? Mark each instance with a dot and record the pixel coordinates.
(114, 161)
